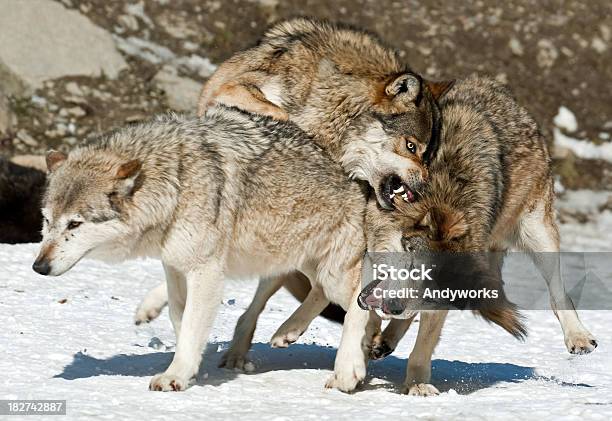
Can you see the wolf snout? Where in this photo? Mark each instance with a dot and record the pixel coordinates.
(368, 299)
(392, 306)
(42, 266)
(394, 187)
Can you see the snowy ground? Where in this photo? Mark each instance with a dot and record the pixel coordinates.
(88, 352)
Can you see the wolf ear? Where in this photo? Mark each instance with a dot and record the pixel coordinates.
(444, 224)
(126, 177)
(439, 88)
(406, 86)
(54, 159)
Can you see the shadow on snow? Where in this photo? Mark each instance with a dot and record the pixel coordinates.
(463, 377)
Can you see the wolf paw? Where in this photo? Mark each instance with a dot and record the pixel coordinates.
(380, 349)
(284, 339)
(581, 342)
(346, 380)
(420, 389)
(146, 314)
(168, 383)
(237, 362)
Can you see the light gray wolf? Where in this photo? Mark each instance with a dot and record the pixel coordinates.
(490, 189)
(230, 195)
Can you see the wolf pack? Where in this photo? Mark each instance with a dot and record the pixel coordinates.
(307, 150)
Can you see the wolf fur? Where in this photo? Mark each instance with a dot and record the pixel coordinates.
(347, 89)
(490, 189)
(231, 195)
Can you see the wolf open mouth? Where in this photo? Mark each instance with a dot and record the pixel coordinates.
(393, 186)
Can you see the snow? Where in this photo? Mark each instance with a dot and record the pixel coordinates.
(583, 148)
(565, 119)
(88, 352)
(158, 54)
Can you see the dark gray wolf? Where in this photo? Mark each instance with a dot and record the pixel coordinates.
(490, 189)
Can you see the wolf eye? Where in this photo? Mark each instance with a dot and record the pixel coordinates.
(74, 224)
(411, 146)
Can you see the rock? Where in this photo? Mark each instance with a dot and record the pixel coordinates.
(73, 112)
(182, 93)
(196, 64)
(128, 22)
(21, 190)
(137, 10)
(516, 47)
(565, 119)
(42, 40)
(599, 45)
(547, 54)
(7, 119)
(31, 161)
(26, 138)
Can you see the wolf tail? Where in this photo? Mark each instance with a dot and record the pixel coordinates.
(508, 317)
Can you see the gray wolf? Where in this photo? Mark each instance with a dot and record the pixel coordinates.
(367, 108)
(490, 189)
(230, 195)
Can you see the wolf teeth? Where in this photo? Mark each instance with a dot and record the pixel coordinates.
(392, 195)
(399, 190)
(405, 197)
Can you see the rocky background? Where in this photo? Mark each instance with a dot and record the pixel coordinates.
(71, 68)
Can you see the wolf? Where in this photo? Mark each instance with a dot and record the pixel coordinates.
(490, 189)
(353, 94)
(230, 195)
(374, 115)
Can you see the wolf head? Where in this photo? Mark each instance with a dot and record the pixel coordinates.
(390, 143)
(438, 236)
(84, 207)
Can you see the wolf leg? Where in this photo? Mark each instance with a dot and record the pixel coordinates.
(204, 293)
(539, 235)
(152, 304)
(248, 97)
(352, 356)
(418, 374)
(298, 322)
(176, 290)
(385, 343)
(235, 357)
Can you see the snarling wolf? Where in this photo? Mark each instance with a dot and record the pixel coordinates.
(366, 107)
(490, 189)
